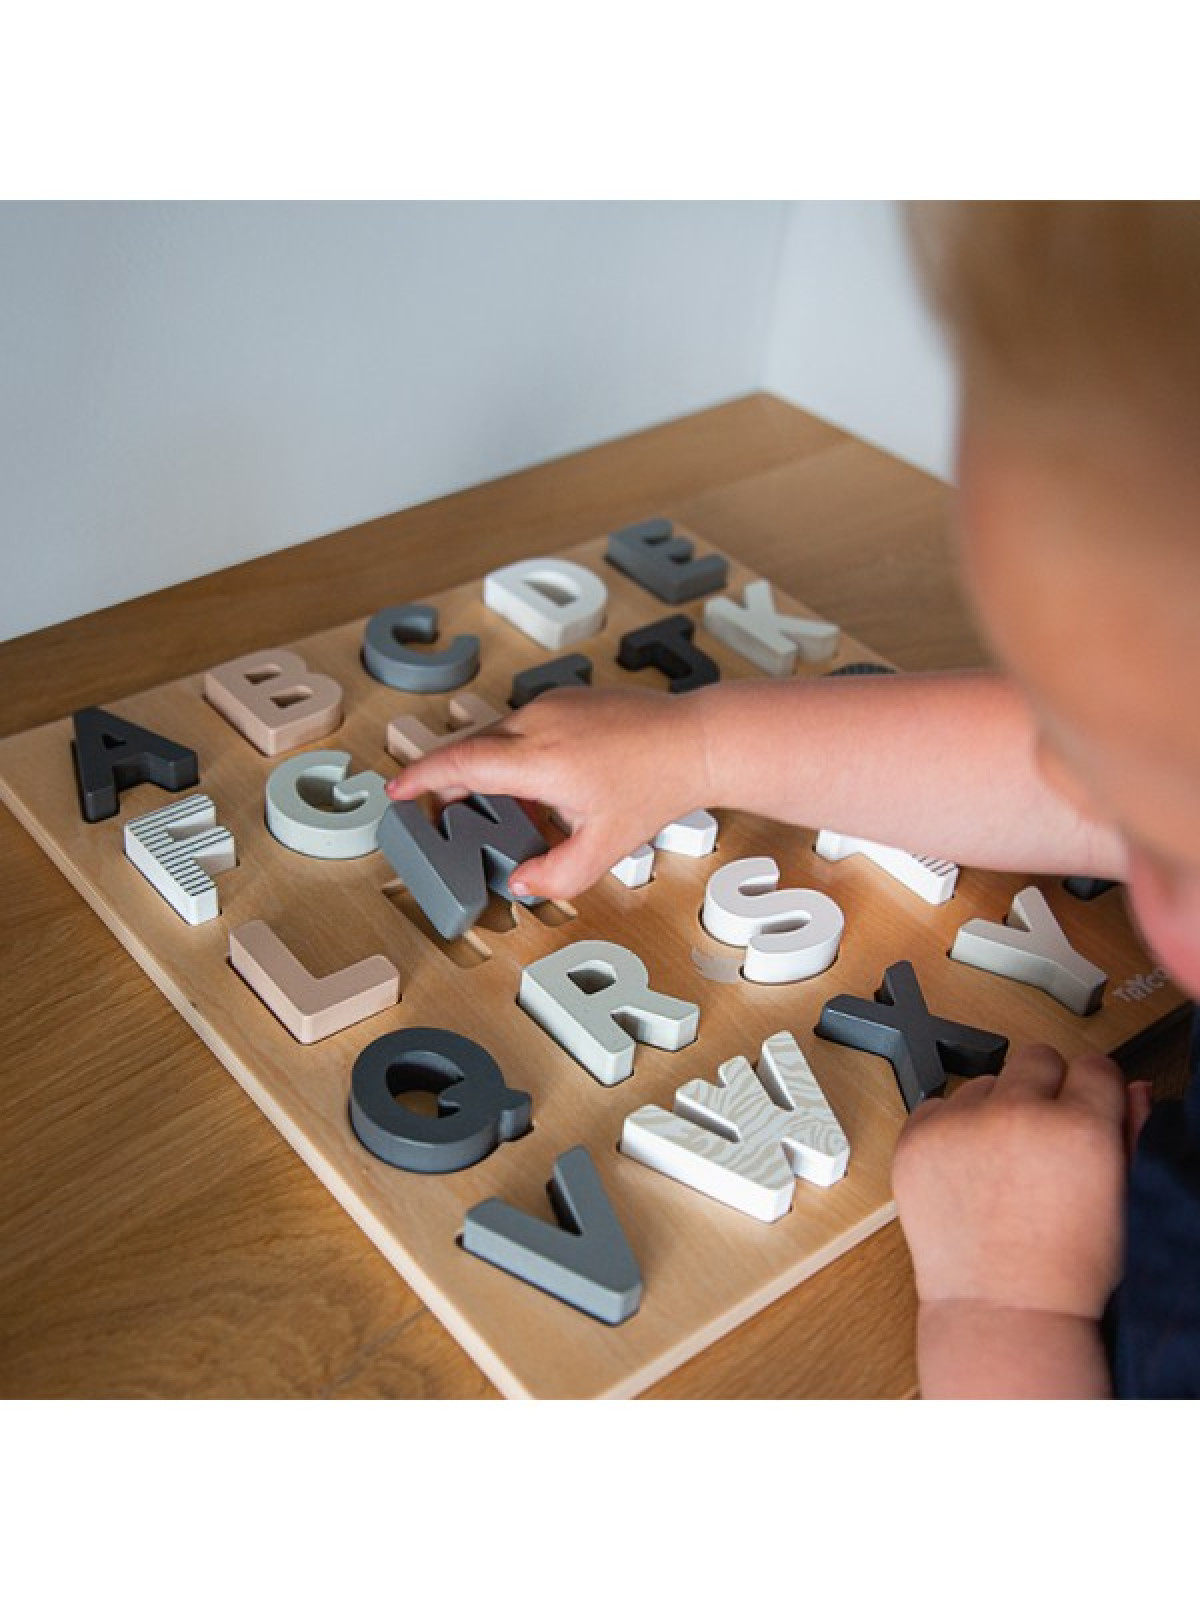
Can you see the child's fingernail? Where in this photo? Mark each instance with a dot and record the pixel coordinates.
(519, 888)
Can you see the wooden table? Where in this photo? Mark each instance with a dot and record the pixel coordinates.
(157, 1236)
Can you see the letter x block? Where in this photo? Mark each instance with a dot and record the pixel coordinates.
(921, 1047)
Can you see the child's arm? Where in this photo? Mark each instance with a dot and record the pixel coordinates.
(1011, 1196)
(940, 764)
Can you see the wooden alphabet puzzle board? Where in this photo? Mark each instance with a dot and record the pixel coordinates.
(705, 1266)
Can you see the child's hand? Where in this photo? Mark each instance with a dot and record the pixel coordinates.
(615, 766)
(1010, 1192)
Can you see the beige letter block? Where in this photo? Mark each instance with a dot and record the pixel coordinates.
(408, 738)
(310, 1008)
(273, 699)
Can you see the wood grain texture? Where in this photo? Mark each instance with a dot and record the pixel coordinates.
(157, 1238)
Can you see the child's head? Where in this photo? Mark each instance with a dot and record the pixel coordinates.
(1077, 331)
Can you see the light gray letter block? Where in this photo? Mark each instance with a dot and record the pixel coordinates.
(1033, 949)
(587, 1261)
(745, 1139)
(314, 808)
(594, 998)
(766, 636)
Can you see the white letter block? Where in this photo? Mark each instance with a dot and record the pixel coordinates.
(746, 1139)
(594, 998)
(555, 602)
(791, 934)
(176, 849)
(1033, 949)
(760, 633)
(929, 876)
(315, 809)
(636, 869)
(693, 835)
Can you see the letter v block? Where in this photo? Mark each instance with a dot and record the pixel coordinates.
(745, 1139)
(272, 698)
(765, 636)
(594, 999)
(586, 1261)
(1032, 948)
(310, 1008)
(176, 849)
(921, 1047)
(449, 868)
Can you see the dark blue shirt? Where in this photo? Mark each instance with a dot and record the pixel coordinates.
(1153, 1320)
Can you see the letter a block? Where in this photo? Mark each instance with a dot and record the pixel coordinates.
(111, 754)
(273, 699)
(594, 998)
(745, 1139)
(1032, 948)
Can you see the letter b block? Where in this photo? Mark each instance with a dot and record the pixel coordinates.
(273, 699)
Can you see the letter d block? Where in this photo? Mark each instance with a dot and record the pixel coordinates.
(594, 999)
(274, 700)
(553, 601)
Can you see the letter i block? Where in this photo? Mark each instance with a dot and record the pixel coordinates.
(273, 699)
(587, 1261)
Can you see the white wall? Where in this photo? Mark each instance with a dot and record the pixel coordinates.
(183, 386)
(850, 337)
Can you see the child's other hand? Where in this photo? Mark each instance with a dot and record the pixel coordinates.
(614, 766)
(1011, 1191)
